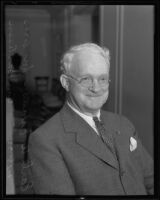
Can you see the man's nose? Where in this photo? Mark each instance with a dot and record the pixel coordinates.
(95, 86)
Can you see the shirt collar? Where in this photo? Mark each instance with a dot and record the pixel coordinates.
(82, 114)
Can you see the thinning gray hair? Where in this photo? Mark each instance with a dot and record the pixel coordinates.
(68, 55)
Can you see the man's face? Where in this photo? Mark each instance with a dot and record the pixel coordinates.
(88, 99)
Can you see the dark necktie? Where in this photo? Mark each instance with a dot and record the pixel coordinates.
(106, 138)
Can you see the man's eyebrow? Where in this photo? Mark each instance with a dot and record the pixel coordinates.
(88, 75)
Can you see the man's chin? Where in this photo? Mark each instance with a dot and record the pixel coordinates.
(97, 100)
(94, 107)
(97, 104)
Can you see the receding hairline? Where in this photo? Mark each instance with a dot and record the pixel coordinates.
(68, 56)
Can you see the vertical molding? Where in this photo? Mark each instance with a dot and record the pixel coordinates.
(119, 59)
(10, 175)
(101, 24)
(118, 76)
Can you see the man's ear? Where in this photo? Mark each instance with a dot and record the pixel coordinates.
(64, 82)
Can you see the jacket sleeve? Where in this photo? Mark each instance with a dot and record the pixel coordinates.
(143, 158)
(146, 163)
(49, 172)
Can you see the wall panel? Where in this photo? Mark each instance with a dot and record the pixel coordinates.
(128, 32)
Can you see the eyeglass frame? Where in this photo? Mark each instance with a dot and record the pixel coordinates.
(79, 81)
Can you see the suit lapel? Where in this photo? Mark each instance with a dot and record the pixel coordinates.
(86, 137)
(122, 148)
(120, 142)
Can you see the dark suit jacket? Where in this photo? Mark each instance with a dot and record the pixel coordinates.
(69, 158)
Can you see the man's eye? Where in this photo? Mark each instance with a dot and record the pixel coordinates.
(103, 79)
(86, 79)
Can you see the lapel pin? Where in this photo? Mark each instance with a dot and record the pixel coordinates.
(118, 132)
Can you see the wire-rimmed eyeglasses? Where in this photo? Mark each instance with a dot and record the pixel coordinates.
(88, 81)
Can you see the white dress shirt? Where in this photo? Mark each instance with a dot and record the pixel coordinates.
(87, 118)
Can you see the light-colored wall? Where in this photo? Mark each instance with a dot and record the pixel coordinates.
(10, 181)
(128, 32)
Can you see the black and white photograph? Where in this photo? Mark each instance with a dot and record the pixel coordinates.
(79, 84)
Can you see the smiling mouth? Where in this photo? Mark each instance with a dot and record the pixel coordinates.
(94, 96)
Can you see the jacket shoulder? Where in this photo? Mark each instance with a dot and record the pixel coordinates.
(49, 130)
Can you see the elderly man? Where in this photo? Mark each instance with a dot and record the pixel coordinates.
(83, 150)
